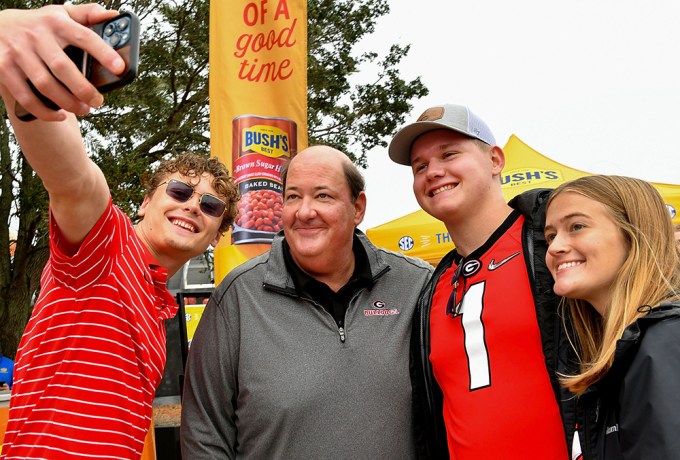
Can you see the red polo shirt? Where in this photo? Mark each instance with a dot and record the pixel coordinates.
(93, 351)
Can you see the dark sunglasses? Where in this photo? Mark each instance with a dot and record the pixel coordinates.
(182, 192)
(453, 307)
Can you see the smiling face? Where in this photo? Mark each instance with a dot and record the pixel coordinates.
(453, 176)
(319, 214)
(174, 231)
(586, 249)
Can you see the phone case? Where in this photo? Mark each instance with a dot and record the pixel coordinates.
(122, 33)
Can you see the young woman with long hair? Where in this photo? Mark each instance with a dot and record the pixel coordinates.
(614, 258)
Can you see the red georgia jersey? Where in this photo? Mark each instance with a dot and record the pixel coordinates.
(488, 360)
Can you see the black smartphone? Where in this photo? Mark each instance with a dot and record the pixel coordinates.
(122, 34)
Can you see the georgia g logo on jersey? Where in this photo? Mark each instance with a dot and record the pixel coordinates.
(471, 267)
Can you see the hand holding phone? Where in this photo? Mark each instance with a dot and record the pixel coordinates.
(122, 34)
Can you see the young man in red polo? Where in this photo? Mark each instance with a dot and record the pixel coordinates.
(93, 351)
(488, 333)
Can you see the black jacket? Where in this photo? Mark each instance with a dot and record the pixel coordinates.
(427, 400)
(634, 411)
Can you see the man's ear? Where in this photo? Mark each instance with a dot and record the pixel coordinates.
(359, 208)
(142, 209)
(497, 160)
(216, 240)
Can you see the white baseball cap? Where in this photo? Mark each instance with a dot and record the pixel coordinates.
(448, 116)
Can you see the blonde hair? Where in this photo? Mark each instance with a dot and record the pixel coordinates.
(649, 275)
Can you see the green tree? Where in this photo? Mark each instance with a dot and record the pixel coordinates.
(353, 118)
(166, 111)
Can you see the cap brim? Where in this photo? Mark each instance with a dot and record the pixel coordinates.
(400, 147)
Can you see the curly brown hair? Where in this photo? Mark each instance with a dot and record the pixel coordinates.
(192, 164)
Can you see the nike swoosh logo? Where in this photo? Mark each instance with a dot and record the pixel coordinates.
(493, 265)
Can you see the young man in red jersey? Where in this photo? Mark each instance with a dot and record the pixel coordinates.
(488, 333)
(93, 351)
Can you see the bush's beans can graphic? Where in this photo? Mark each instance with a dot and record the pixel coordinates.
(260, 147)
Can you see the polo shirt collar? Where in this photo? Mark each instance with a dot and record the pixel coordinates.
(304, 282)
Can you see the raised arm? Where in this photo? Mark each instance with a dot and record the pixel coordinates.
(31, 46)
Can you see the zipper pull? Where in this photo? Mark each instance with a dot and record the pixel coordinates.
(342, 334)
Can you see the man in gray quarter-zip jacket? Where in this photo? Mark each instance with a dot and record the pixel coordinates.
(303, 352)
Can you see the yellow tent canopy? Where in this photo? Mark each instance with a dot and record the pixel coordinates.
(420, 235)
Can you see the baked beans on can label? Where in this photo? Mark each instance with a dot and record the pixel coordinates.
(261, 146)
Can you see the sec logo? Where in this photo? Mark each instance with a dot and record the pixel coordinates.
(406, 243)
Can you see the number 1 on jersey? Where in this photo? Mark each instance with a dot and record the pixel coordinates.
(475, 343)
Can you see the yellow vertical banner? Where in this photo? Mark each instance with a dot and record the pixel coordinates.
(258, 112)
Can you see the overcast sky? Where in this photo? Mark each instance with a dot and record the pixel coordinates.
(594, 85)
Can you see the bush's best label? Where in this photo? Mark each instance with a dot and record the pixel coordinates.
(524, 177)
(266, 140)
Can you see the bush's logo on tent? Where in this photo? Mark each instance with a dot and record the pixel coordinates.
(671, 210)
(520, 177)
